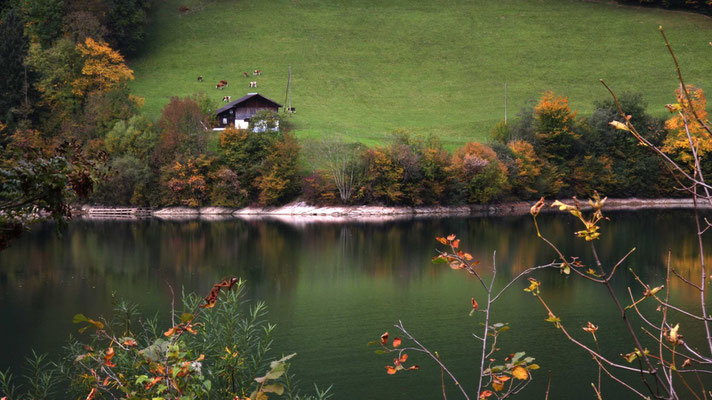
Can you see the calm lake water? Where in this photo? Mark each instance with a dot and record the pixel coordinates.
(331, 288)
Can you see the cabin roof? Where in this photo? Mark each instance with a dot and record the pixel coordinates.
(242, 99)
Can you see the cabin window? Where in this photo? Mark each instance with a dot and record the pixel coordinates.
(224, 121)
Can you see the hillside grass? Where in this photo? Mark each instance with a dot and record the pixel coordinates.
(362, 68)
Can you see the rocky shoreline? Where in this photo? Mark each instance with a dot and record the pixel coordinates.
(303, 211)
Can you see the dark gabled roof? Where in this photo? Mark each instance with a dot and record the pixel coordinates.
(244, 98)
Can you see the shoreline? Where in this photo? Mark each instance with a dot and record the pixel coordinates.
(299, 211)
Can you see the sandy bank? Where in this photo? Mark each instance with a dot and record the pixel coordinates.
(295, 213)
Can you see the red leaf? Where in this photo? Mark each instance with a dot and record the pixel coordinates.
(456, 243)
(384, 339)
(413, 367)
(474, 304)
(486, 394)
(396, 342)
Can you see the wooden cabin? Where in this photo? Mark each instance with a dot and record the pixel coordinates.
(238, 113)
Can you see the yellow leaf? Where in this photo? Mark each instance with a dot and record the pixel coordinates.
(520, 373)
(619, 125)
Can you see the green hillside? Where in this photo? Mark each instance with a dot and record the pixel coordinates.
(365, 67)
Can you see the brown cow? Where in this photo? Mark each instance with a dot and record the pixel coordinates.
(244, 74)
(200, 78)
(221, 85)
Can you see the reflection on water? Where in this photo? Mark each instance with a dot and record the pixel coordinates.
(333, 287)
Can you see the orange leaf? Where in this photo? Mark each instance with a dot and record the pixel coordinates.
(441, 240)
(403, 358)
(170, 332)
(456, 243)
(451, 237)
(475, 306)
(390, 370)
(153, 382)
(384, 339)
(396, 342)
(109, 355)
(412, 367)
(520, 373)
(486, 394)
(89, 397)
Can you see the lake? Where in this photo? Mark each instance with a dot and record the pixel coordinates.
(333, 287)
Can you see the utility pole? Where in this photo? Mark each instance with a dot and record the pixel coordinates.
(505, 102)
(288, 94)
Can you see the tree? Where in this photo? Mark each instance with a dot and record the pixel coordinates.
(382, 178)
(81, 25)
(183, 130)
(103, 68)
(185, 181)
(631, 163)
(341, 161)
(480, 171)
(244, 152)
(279, 178)
(126, 21)
(44, 20)
(557, 140)
(13, 49)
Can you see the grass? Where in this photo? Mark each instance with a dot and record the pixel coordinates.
(365, 67)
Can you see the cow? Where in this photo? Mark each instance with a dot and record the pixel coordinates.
(221, 85)
(226, 99)
(200, 78)
(257, 72)
(244, 74)
(253, 84)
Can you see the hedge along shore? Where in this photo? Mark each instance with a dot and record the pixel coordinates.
(299, 211)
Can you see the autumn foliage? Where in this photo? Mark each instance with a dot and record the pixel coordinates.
(677, 141)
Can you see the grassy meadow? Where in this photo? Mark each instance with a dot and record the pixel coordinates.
(362, 68)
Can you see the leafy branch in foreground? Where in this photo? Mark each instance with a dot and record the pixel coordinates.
(499, 379)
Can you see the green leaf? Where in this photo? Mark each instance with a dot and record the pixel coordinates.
(273, 388)
(380, 351)
(79, 318)
(186, 317)
(517, 356)
(566, 269)
(533, 367)
(207, 385)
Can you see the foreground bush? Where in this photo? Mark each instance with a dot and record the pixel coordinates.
(216, 348)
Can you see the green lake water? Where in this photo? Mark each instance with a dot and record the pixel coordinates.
(333, 287)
